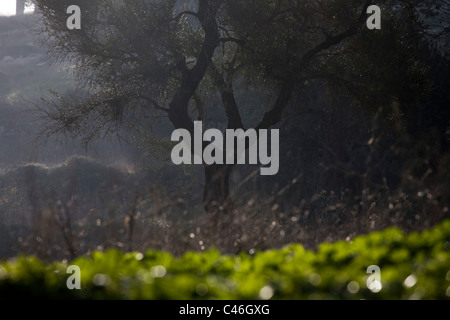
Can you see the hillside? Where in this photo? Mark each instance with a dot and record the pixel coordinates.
(25, 72)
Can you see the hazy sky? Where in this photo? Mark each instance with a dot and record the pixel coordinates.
(8, 8)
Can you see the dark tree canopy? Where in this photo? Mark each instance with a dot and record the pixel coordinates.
(141, 61)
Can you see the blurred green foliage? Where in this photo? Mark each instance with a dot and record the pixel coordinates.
(413, 266)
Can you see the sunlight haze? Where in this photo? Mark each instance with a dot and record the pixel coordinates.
(7, 7)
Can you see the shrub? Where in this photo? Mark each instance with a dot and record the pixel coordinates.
(413, 266)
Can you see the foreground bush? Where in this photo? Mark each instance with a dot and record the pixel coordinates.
(413, 266)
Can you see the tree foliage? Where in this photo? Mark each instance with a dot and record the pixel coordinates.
(143, 60)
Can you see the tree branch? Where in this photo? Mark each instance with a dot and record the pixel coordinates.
(178, 107)
(228, 100)
(333, 40)
(182, 13)
(155, 104)
(273, 116)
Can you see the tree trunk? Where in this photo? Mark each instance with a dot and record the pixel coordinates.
(222, 230)
(216, 196)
